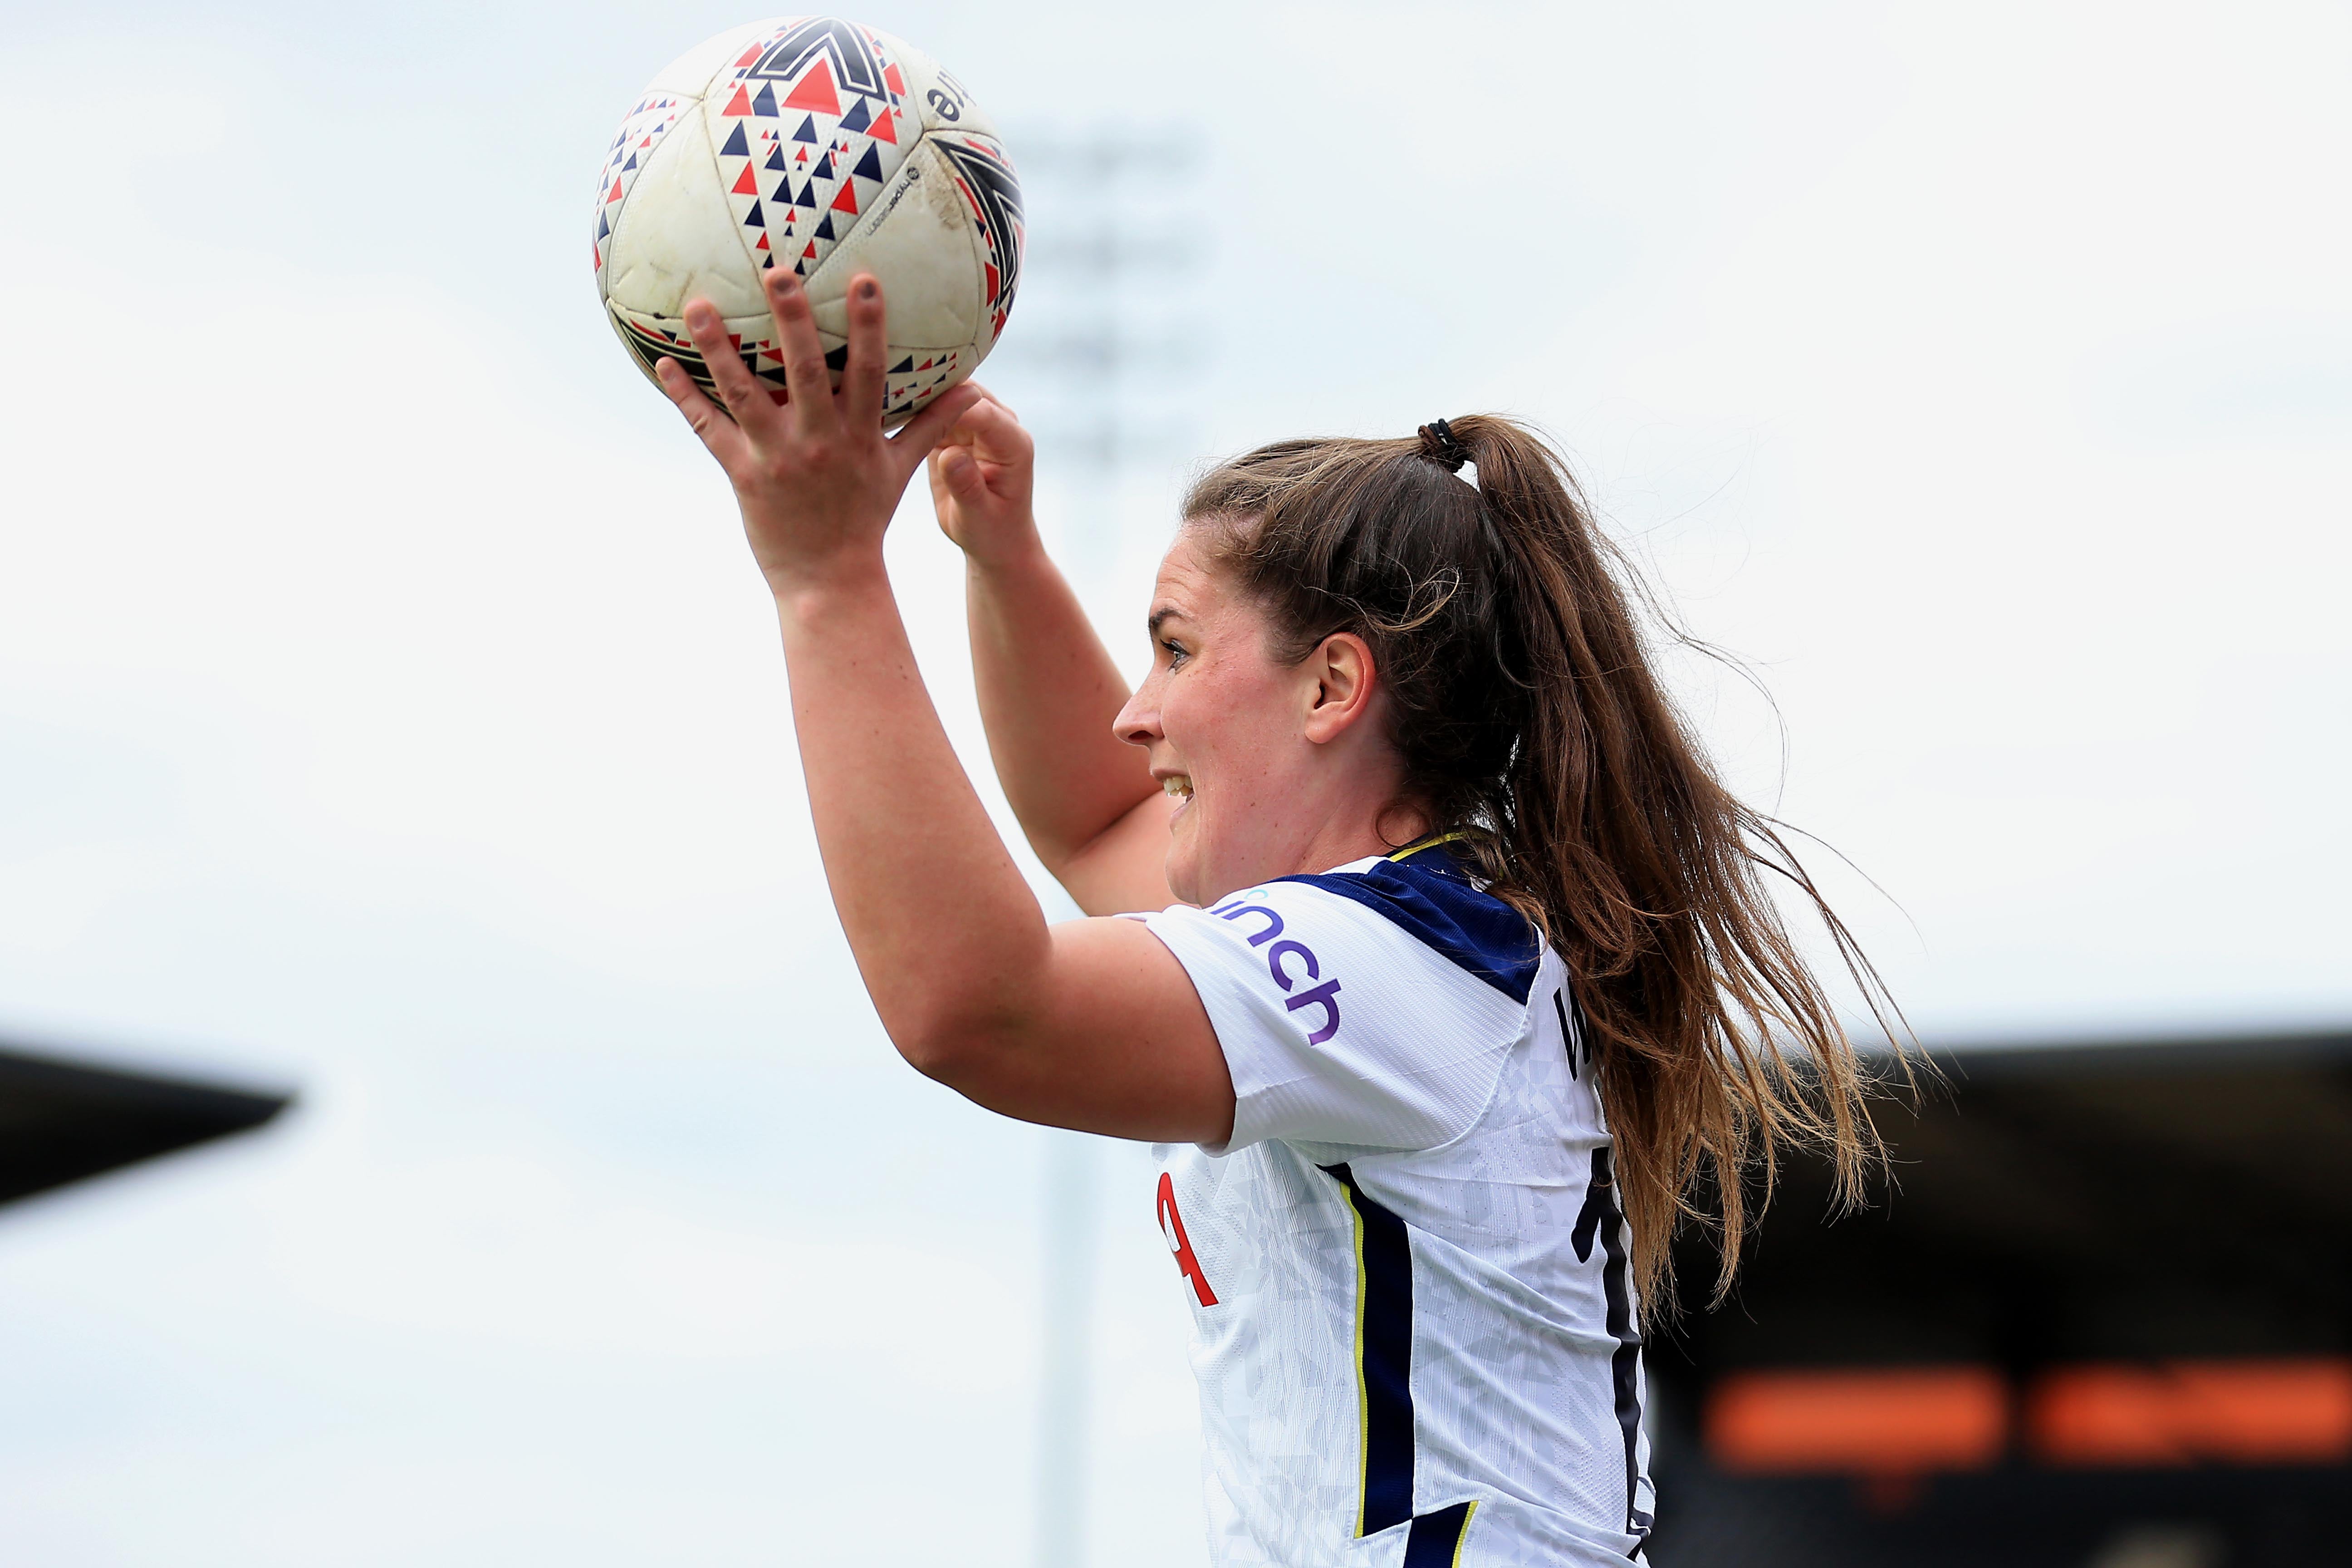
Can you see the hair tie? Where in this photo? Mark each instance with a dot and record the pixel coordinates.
(1441, 447)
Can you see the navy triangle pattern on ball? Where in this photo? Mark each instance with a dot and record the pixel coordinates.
(987, 184)
(907, 382)
(652, 343)
(647, 124)
(849, 96)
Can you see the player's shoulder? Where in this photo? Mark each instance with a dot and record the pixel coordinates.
(1412, 940)
(1375, 1004)
(1427, 905)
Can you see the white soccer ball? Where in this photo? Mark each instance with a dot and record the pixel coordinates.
(823, 146)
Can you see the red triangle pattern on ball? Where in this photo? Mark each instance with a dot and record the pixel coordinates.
(815, 91)
(648, 122)
(839, 82)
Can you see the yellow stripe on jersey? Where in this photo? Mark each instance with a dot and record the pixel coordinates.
(1432, 842)
(1460, 1540)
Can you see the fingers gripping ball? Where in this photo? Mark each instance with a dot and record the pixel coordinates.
(832, 149)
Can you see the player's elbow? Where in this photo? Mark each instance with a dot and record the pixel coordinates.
(952, 1044)
(972, 1063)
(934, 1053)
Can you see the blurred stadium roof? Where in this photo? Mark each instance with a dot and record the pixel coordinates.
(63, 1121)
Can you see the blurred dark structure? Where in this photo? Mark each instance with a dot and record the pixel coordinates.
(62, 1121)
(2102, 1320)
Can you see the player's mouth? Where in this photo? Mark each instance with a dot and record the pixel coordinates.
(1178, 787)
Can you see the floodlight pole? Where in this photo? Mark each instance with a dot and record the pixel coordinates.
(1089, 354)
(1067, 1388)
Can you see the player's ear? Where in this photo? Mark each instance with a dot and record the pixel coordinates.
(1342, 680)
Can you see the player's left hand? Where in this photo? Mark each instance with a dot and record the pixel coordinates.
(816, 477)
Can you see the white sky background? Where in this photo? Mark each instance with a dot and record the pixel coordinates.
(387, 706)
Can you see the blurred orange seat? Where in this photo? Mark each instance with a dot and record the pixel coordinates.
(2183, 1413)
(1875, 1422)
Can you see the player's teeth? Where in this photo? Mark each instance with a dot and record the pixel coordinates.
(1178, 785)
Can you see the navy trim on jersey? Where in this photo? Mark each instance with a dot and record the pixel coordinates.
(1436, 1539)
(1429, 895)
(1384, 1356)
(1601, 1216)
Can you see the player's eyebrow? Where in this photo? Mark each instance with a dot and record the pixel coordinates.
(1161, 615)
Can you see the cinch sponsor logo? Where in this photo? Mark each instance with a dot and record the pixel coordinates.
(1290, 962)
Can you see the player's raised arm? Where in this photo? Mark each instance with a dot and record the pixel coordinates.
(1092, 1025)
(1048, 689)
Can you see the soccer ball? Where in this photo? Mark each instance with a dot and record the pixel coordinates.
(823, 146)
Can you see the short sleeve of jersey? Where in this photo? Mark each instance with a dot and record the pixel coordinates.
(1341, 1024)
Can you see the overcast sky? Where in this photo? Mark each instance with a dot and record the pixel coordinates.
(388, 707)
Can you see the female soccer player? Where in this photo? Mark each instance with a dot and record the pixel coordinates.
(1460, 977)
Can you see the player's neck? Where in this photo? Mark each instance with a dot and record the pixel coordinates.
(1374, 831)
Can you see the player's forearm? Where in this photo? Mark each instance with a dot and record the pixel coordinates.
(1048, 691)
(950, 939)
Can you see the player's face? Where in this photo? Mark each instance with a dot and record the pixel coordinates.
(1222, 720)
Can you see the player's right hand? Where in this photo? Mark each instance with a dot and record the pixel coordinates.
(815, 476)
(982, 476)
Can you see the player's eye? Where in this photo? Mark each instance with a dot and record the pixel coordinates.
(1174, 649)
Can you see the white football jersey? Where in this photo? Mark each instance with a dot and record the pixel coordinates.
(1413, 1320)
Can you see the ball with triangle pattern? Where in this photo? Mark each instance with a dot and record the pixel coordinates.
(830, 148)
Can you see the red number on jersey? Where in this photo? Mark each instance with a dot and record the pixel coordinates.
(1171, 1226)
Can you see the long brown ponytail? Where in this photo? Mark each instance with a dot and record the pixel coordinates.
(1503, 624)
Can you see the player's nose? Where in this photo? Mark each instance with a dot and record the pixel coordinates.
(1138, 722)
